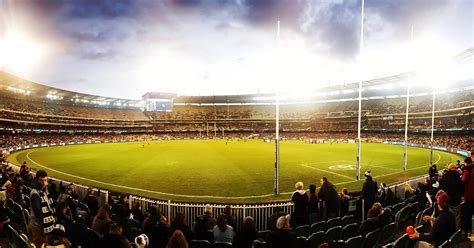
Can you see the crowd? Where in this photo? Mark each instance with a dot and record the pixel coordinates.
(463, 141)
(59, 215)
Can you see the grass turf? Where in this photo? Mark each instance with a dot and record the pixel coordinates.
(210, 170)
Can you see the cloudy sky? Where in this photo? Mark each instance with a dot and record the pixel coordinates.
(124, 48)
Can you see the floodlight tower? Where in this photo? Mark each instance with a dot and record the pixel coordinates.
(277, 123)
(360, 94)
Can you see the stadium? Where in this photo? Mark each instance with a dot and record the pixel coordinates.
(240, 154)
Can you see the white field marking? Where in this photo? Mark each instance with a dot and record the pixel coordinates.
(326, 171)
(414, 168)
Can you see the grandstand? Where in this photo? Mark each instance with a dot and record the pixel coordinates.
(345, 145)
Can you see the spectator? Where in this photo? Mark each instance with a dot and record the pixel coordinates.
(179, 224)
(451, 183)
(409, 191)
(223, 232)
(433, 172)
(53, 191)
(384, 215)
(245, 238)
(57, 238)
(329, 195)
(441, 228)
(114, 238)
(122, 206)
(370, 224)
(101, 220)
(177, 240)
(136, 212)
(369, 191)
(156, 228)
(345, 199)
(299, 200)
(92, 201)
(24, 170)
(272, 220)
(313, 204)
(468, 180)
(62, 215)
(42, 211)
(141, 241)
(228, 216)
(282, 237)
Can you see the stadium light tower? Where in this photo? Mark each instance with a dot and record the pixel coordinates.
(360, 94)
(277, 123)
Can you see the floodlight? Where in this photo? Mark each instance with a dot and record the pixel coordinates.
(18, 53)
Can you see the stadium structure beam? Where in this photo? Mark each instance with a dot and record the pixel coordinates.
(277, 124)
(405, 152)
(432, 127)
(360, 93)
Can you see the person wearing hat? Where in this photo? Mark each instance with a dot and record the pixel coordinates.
(282, 237)
(114, 239)
(451, 183)
(57, 238)
(441, 228)
(369, 192)
(467, 179)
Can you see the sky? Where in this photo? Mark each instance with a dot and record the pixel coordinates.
(125, 48)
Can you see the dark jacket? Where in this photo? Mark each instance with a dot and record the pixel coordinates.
(245, 238)
(443, 227)
(114, 241)
(369, 191)
(468, 181)
(368, 225)
(452, 185)
(281, 238)
(329, 195)
(299, 200)
(313, 203)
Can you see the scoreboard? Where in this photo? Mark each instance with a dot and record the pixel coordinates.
(158, 101)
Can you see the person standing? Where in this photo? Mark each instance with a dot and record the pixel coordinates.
(468, 180)
(299, 200)
(42, 210)
(313, 204)
(369, 191)
(329, 195)
(451, 184)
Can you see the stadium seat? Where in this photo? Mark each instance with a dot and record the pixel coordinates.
(348, 219)
(402, 216)
(13, 237)
(418, 218)
(401, 242)
(333, 222)
(354, 242)
(199, 244)
(446, 244)
(303, 231)
(263, 234)
(259, 243)
(334, 234)
(25, 242)
(315, 239)
(455, 239)
(318, 227)
(349, 231)
(92, 237)
(397, 207)
(300, 242)
(420, 229)
(84, 207)
(413, 210)
(372, 239)
(387, 234)
(221, 245)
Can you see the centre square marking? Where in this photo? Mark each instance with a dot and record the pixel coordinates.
(342, 167)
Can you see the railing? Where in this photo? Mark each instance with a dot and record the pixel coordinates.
(260, 212)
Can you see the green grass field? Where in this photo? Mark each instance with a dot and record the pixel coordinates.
(210, 170)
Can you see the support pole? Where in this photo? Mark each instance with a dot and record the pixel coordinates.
(359, 119)
(432, 128)
(405, 152)
(277, 125)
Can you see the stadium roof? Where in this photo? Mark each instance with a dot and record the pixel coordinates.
(19, 85)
